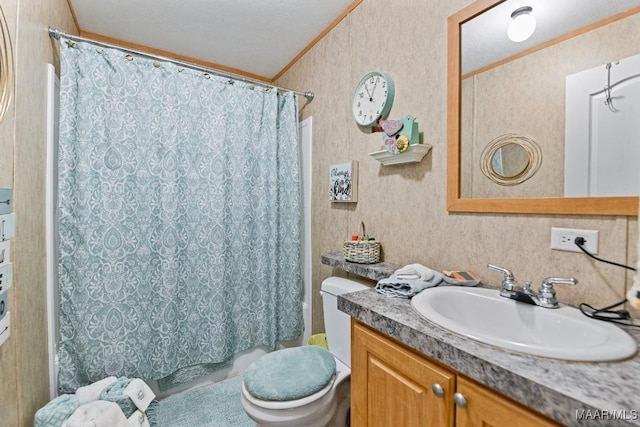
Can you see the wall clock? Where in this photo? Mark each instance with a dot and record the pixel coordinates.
(372, 98)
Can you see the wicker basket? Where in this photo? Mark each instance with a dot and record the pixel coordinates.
(361, 251)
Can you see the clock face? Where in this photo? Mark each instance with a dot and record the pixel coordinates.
(372, 98)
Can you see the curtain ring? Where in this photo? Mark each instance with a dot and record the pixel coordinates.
(129, 57)
(207, 76)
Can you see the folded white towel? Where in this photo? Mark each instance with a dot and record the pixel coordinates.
(99, 413)
(140, 393)
(138, 419)
(91, 392)
(394, 287)
(414, 272)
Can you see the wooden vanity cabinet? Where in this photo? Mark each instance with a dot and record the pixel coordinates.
(488, 408)
(393, 385)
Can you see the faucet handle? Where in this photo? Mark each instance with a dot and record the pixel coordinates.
(547, 295)
(507, 274)
(508, 283)
(550, 281)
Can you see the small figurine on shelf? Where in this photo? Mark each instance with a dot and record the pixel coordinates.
(398, 135)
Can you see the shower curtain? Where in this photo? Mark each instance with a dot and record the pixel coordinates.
(179, 217)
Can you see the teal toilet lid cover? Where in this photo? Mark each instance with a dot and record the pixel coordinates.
(290, 374)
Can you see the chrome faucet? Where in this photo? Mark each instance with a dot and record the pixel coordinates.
(546, 295)
(509, 285)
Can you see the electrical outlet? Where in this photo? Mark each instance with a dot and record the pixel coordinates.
(563, 239)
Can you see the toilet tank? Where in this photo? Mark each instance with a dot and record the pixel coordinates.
(337, 323)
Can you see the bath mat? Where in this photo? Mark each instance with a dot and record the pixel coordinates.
(190, 373)
(215, 405)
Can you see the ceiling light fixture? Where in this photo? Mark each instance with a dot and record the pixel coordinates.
(522, 24)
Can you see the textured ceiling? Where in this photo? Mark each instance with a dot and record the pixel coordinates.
(255, 37)
(260, 38)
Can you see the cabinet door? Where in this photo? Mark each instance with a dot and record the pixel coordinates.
(488, 408)
(391, 385)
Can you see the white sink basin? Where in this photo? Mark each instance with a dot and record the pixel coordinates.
(563, 333)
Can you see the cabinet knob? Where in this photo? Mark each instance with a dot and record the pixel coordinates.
(437, 390)
(460, 400)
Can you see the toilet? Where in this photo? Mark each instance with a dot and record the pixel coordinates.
(306, 386)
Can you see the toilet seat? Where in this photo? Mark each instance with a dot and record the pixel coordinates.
(326, 405)
(286, 404)
(290, 374)
(342, 372)
(315, 410)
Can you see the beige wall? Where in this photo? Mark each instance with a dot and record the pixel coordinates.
(527, 96)
(404, 206)
(24, 385)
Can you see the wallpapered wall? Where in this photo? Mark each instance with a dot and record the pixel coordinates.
(404, 206)
(24, 377)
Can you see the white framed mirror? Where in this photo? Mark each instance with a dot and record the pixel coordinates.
(521, 88)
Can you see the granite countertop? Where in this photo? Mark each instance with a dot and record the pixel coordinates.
(556, 388)
(375, 272)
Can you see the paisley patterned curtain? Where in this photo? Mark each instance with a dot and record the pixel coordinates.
(179, 217)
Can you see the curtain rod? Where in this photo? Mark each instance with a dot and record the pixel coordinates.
(56, 34)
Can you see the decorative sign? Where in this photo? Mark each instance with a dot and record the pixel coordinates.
(343, 182)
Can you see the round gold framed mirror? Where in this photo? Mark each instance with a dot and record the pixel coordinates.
(511, 159)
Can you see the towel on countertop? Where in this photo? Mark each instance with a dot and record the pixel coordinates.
(414, 272)
(99, 413)
(395, 286)
(91, 392)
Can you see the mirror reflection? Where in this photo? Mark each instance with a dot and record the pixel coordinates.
(510, 161)
(536, 87)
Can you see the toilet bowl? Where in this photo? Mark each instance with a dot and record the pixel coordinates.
(328, 404)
